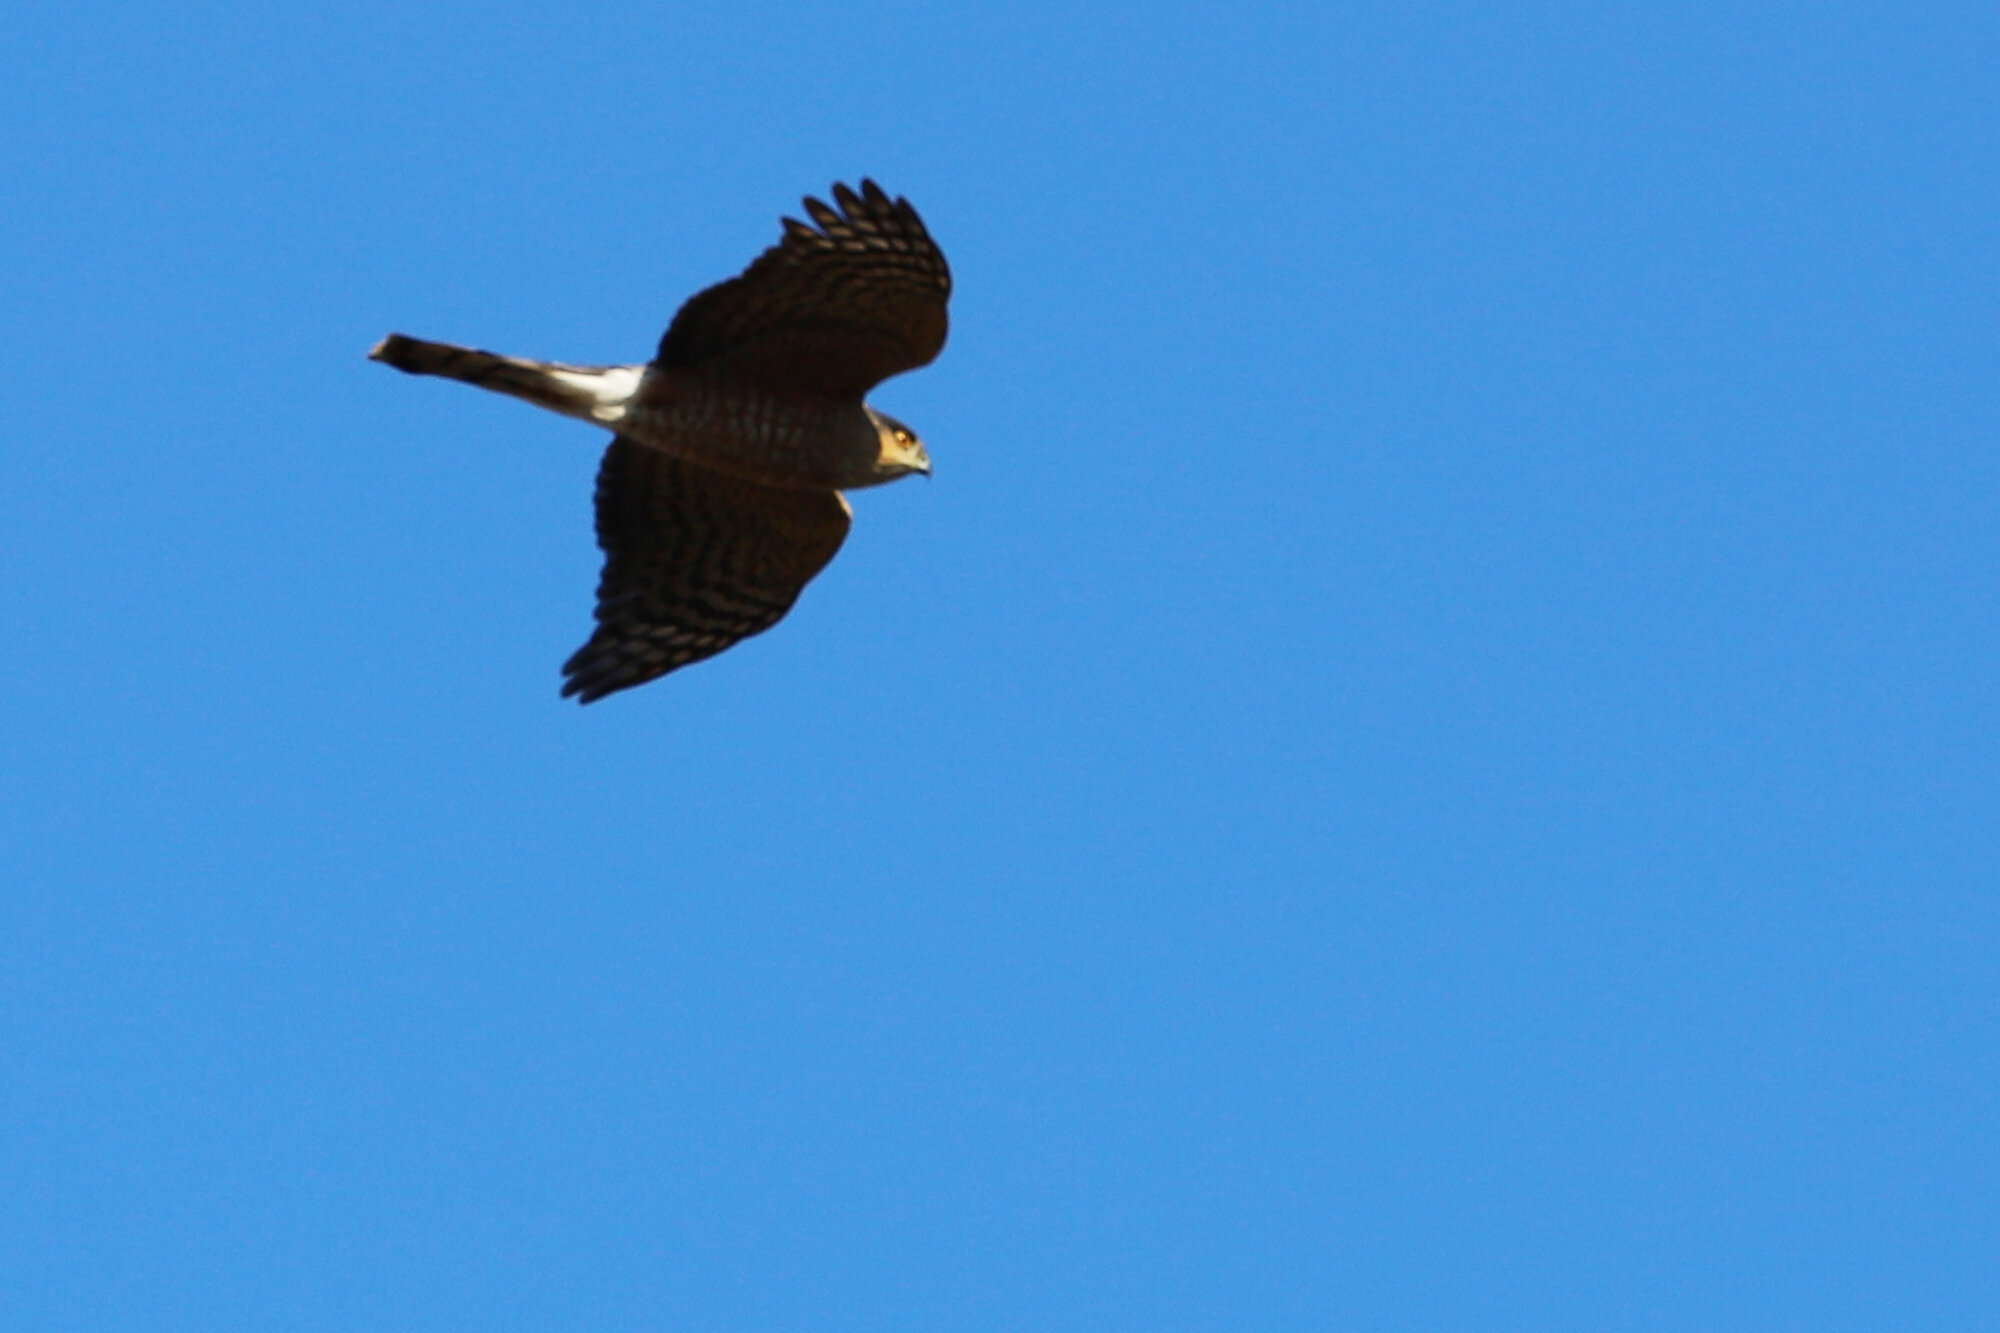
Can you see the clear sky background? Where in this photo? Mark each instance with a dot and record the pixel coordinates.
(1429, 759)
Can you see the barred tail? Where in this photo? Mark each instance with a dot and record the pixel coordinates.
(577, 391)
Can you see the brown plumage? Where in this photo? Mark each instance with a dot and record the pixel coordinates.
(719, 499)
(832, 310)
(695, 560)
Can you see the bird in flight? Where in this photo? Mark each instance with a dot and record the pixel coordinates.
(720, 496)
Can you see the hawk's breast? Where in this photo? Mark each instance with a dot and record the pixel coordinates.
(777, 439)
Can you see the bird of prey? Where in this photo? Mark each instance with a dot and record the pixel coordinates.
(720, 496)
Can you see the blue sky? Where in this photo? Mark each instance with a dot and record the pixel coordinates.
(1427, 761)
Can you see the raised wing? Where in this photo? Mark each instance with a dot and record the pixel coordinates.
(695, 560)
(834, 308)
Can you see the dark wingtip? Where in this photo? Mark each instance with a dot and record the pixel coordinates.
(576, 687)
(576, 677)
(591, 673)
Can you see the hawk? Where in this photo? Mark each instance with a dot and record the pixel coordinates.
(720, 496)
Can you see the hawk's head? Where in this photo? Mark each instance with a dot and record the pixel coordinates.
(901, 451)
